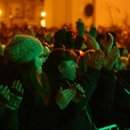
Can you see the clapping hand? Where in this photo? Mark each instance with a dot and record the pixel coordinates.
(110, 59)
(107, 46)
(80, 27)
(15, 95)
(92, 43)
(64, 97)
(95, 60)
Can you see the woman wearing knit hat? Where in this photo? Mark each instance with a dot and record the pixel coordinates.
(24, 57)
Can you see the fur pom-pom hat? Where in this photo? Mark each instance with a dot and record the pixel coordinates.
(22, 48)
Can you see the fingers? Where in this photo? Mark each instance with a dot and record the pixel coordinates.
(6, 94)
(78, 86)
(110, 59)
(19, 33)
(22, 90)
(68, 92)
(88, 56)
(4, 91)
(81, 90)
(92, 43)
(70, 95)
(31, 32)
(18, 86)
(114, 53)
(111, 37)
(98, 57)
(1, 86)
(63, 97)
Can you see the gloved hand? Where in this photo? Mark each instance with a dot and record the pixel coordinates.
(93, 32)
(15, 94)
(4, 96)
(80, 27)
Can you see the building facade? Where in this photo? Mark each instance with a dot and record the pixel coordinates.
(21, 12)
(59, 12)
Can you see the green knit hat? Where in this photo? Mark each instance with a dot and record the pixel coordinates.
(22, 48)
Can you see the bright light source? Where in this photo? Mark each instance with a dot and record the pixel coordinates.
(43, 14)
(81, 53)
(3, 45)
(0, 12)
(43, 23)
(10, 16)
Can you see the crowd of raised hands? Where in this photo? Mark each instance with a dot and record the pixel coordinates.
(93, 71)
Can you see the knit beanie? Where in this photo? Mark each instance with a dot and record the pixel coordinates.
(22, 48)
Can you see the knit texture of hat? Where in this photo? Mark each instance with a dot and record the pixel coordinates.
(22, 48)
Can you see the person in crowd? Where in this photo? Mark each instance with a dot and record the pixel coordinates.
(60, 68)
(23, 60)
(122, 89)
(9, 103)
(64, 38)
(1, 53)
(46, 47)
(102, 101)
(46, 50)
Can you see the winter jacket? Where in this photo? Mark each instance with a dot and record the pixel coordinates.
(76, 116)
(29, 117)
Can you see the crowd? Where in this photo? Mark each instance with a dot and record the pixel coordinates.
(62, 80)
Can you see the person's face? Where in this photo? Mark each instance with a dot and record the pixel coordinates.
(39, 60)
(46, 52)
(68, 69)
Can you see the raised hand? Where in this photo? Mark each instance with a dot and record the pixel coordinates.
(92, 43)
(107, 46)
(19, 33)
(93, 31)
(64, 97)
(4, 95)
(80, 27)
(16, 94)
(31, 31)
(110, 59)
(96, 59)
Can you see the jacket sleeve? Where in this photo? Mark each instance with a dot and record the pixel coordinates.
(88, 81)
(105, 89)
(1, 58)
(1, 112)
(78, 42)
(46, 118)
(9, 120)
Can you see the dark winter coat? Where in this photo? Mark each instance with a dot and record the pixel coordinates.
(76, 116)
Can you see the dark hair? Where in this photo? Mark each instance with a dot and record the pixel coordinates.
(56, 57)
(38, 83)
(63, 38)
